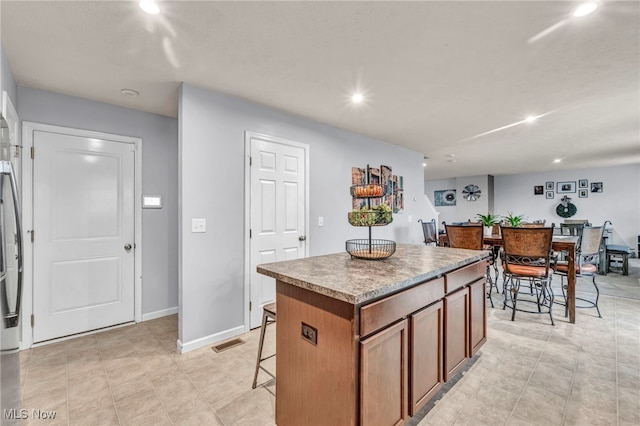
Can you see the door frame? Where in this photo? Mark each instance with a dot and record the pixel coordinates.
(28, 129)
(248, 135)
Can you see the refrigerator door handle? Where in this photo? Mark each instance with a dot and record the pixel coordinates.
(11, 319)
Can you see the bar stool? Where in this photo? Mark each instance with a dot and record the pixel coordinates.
(268, 317)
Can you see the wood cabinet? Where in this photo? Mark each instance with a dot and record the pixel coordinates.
(426, 328)
(383, 376)
(456, 331)
(380, 362)
(477, 315)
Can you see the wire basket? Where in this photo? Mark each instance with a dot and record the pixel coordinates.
(370, 190)
(371, 249)
(369, 218)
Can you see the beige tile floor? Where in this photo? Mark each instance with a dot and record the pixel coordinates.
(527, 373)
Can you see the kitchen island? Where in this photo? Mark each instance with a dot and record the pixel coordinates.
(370, 342)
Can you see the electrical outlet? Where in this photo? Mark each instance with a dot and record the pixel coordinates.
(199, 225)
(309, 334)
(320, 221)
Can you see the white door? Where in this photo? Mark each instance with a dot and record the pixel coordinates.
(278, 212)
(83, 224)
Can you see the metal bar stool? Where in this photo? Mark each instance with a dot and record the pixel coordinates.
(268, 317)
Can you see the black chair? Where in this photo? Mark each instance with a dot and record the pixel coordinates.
(527, 256)
(469, 237)
(430, 232)
(587, 259)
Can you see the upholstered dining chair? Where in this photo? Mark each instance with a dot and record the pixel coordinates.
(587, 259)
(527, 256)
(573, 229)
(470, 237)
(534, 224)
(430, 232)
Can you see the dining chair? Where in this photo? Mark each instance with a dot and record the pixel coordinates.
(429, 231)
(570, 229)
(573, 229)
(587, 259)
(470, 237)
(527, 256)
(534, 224)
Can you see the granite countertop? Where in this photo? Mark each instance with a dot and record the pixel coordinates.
(358, 281)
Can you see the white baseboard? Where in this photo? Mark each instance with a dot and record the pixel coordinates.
(159, 314)
(209, 340)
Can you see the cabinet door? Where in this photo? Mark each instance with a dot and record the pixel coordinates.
(425, 355)
(383, 377)
(456, 334)
(477, 315)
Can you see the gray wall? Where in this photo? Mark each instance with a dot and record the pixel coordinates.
(212, 145)
(6, 78)
(619, 202)
(159, 177)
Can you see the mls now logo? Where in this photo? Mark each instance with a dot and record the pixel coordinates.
(15, 414)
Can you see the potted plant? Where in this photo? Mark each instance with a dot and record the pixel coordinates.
(514, 221)
(488, 221)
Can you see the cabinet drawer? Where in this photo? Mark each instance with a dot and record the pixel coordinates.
(383, 312)
(463, 276)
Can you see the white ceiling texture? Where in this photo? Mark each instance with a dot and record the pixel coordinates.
(445, 78)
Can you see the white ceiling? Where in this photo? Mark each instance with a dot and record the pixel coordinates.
(435, 74)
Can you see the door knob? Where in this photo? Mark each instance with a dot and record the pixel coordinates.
(302, 237)
(127, 247)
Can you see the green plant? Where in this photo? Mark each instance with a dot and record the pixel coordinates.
(488, 219)
(514, 221)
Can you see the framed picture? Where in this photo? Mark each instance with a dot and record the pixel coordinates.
(549, 186)
(538, 190)
(596, 187)
(583, 183)
(583, 193)
(566, 187)
(445, 197)
(550, 195)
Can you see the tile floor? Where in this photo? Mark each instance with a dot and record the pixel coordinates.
(527, 373)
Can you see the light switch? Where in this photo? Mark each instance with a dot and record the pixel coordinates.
(410, 218)
(320, 221)
(198, 225)
(151, 202)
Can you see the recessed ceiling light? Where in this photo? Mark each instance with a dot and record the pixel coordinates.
(450, 155)
(451, 161)
(585, 9)
(130, 93)
(557, 160)
(149, 6)
(357, 98)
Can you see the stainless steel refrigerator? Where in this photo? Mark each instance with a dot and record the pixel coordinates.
(10, 280)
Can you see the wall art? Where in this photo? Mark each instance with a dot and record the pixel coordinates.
(446, 197)
(566, 187)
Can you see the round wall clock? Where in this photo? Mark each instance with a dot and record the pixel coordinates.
(471, 192)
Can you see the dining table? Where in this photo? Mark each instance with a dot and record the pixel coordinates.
(565, 243)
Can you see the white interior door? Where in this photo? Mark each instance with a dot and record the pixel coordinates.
(278, 212)
(83, 222)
